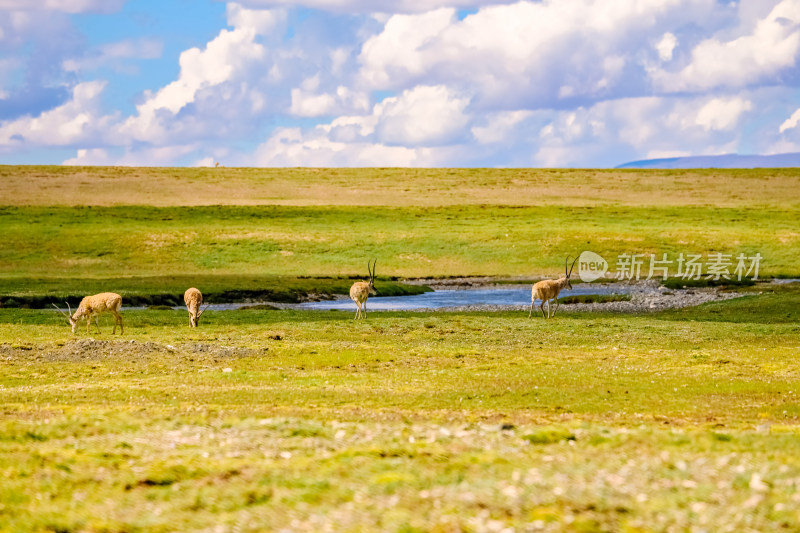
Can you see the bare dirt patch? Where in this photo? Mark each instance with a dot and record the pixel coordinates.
(90, 349)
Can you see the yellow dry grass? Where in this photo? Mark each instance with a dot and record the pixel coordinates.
(110, 186)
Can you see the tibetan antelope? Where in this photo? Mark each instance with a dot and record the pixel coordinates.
(94, 306)
(193, 299)
(548, 289)
(361, 290)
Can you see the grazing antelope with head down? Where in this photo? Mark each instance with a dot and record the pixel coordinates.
(193, 299)
(548, 289)
(94, 306)
(361, 290)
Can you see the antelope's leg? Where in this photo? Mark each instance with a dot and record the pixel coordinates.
(531, 311)
(117, 318)
(541, 308)
(556, 309)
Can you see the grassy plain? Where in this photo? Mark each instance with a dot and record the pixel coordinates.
(408, 242)
(686, 420)
(232, 229)
(263, 420)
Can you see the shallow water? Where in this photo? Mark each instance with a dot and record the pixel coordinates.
(450, 298)
(458, 298)
(438, 299)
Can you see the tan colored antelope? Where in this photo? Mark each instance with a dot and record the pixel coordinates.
(193, 299)
(94, 306)
(361, 290)
(548, 289)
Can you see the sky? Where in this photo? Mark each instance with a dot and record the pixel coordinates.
(401, 83)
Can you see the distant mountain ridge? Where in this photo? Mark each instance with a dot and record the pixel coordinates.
(720, 161)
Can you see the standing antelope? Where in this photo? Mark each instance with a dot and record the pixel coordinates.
(361, 290)
(94, 306)
(193, 299)
(548, 289)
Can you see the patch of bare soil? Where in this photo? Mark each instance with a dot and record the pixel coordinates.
(90, 349)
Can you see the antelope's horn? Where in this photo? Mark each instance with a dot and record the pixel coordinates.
(60, 311)
(202, 311)
(565, 266)
(573, 266)
(374, 262)
(68, 307)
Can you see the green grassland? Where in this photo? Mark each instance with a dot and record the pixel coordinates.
(274, 243)
(141, 291)
(404, 422)
(281, 233)
(261, 420)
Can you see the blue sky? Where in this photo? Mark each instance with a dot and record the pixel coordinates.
(552, 83)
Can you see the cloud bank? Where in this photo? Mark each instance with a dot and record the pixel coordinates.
(589, 83)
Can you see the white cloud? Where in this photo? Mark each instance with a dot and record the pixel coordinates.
(112, 53)
(375, 6)
(311, 104)
(612, 132)
(771, 49)
(667, 154)
(291, 147)
(225, 58)
(423, 115)
(403, 46)
(530, 54)
(90, 157)
(791, 122)
(407, 130)
(79, 120)
(498, 126)
(263, 21)
(666, 46)
(544, 82)
(142, 157)
(306, 104)
(722, 113)
(229, 52)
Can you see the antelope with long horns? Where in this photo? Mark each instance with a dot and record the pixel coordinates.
(361, 290)
(94, 306)
(193, 299)
(548, 289)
